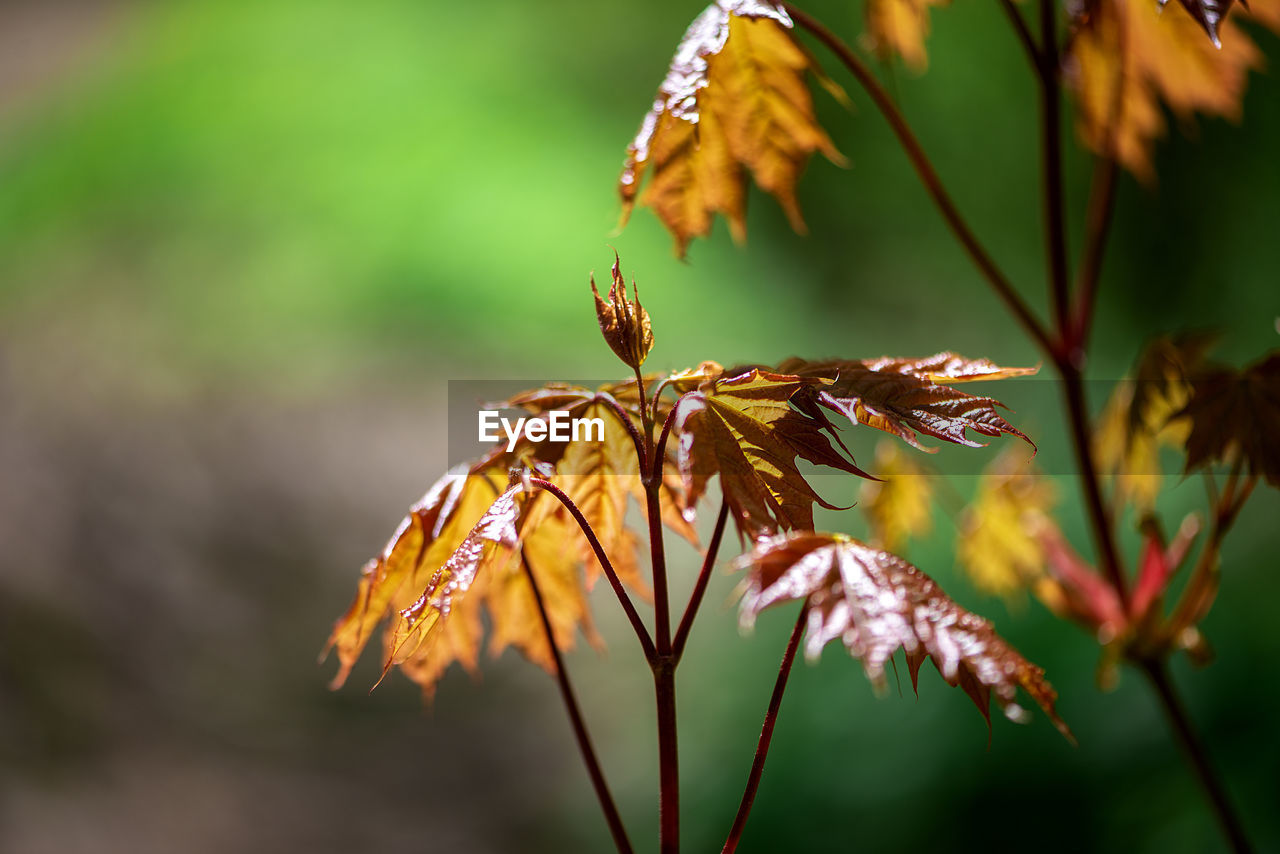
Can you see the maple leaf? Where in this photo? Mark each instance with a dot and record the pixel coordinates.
(743, 428)
(547, 549)
(899, 27)
(624, 323)
(434, 528)
(599, 475)
(898, 505)
(1143, 415)
(1126, 58)
(875, 602)
(1208, 14)
(492, 539)
(443, 624)
(903, 396)
(734, 99)
(1235, 415)
(999, 541)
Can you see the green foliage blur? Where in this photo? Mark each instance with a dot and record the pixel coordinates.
(243, 248)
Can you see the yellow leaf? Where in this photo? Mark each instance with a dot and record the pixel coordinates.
(734, 99)
(999, 544)
(1139, 417)
(1128, 58)
(434, 528)
(899, 27)
(897, 506)
(512, 607)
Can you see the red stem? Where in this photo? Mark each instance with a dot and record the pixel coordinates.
(623, 416)
(1158, 673)
(1102, 194)
(700, 588)
(663, 664)
(611, 816)
(766, 736)
(1051, 163)
(1027, 41)
(646, 643)
(927, 174)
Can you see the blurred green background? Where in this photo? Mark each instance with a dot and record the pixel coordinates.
(243, 248)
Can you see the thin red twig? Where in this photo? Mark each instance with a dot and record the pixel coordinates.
(766, 736)
(928, 176)
(700, 587)
(610, 809)
(646, 642)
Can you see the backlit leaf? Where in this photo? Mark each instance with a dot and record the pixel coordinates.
(900, 27)
(434, 528)
(999, 542)
(903, 396)
(875, 602)
(491, 540)
(598, 475)
(899, 505)
(1140, 417)
(1127, 58)
(1208, 14)
(743, 428)
(734, 99)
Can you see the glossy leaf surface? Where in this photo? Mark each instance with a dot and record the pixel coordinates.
(744, 428)
(874, 602)
(734, 100)
(905, 397)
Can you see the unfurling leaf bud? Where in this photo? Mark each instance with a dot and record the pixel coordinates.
(624, 322)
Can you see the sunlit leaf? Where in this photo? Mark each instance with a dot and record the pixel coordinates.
(899, 505)
(547, 547)
(1140, 417)
(1208, 14)
(743, 428)
(735, 99)
(900, 27)
(903, 396)
(599, 473)
(434, 528)
(491, 540)
(1126, 59)
(874, 602)
(999, 541)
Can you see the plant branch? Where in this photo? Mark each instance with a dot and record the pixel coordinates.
(1158, 673)
(663, 664)
(1051, 163)
(611, 816)
(766, 736)
(623, 416)
(1082, 447)
(646, 642)
(928, 176)
(1102, 196)
(664, 692)
(700, 587)
(1020, 27)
